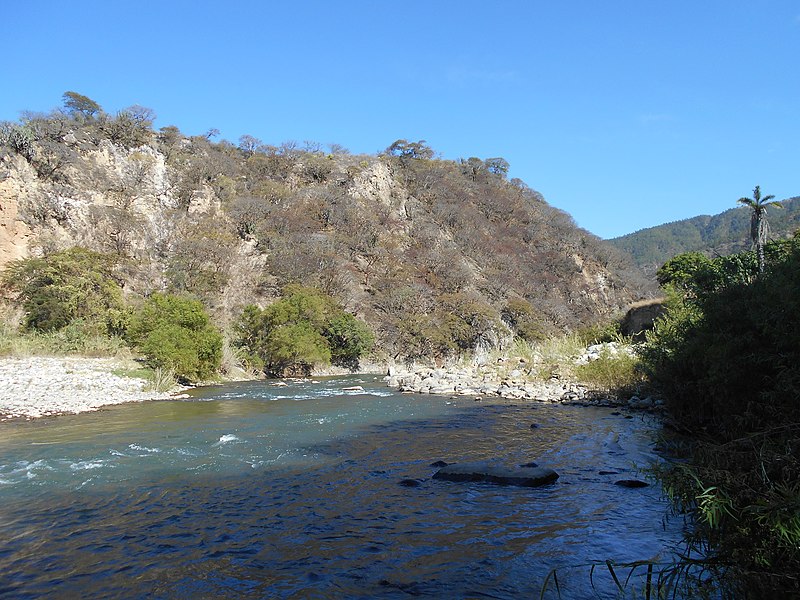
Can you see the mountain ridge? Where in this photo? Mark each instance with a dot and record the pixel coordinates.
(438, 256)
(721, 234)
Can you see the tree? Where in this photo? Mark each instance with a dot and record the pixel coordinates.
(77, 104)
(348, 339)
(175, 332)
(497, 166)
(249, 144)
(410, 150)
(304, 328)
(523, 318)
(132, 127)
(759, 229)
(679, 270)
(473, 167)
(67, 286)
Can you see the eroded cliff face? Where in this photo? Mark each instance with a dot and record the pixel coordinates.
(403, 243)
(14, 233)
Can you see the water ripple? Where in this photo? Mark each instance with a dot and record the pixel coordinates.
(252, 499)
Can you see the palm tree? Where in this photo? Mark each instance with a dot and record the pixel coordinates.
(758, 221)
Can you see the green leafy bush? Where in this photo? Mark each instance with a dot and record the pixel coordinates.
(727, 358)
(71, 285)
(175, 333)
(459, 322)
(303, 329)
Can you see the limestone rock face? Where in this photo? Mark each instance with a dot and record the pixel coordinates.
(14, 233)
(376, 183)
(641, 316)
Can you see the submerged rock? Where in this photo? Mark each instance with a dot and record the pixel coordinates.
(409, 482)
(631, 483)
(501, 475)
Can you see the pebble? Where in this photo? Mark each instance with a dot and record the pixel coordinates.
(39, 386)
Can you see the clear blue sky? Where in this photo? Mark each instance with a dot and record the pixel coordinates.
(626, 114)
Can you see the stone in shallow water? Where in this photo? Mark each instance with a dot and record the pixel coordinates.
(410, 482)
(501, 475)
(631, 483)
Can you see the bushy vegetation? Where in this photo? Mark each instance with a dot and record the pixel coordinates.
(721, 234)
(727, 358)
(65, 287)
(393, 236)
(75, 338)
(304, 329)
(175, 333)
(617, 372)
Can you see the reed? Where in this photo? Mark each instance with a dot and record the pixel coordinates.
(161, 380)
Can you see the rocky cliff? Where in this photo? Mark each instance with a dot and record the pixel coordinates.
(437, 255)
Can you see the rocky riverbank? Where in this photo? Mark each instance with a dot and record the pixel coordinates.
(38, 386)
(32, 387)
(513, 379)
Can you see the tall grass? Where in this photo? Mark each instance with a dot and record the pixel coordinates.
(558, 356)
(75, 339)
(612, 372)
(644, 579)
(160, 380)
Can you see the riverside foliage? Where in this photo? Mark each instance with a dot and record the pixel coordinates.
(727, 358)
(68, 286)
(176, 334)
(304, 329)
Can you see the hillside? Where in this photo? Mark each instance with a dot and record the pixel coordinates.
(717, 235)
(436, 255)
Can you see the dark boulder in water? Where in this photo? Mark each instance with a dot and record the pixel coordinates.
(631, 483)
(498, 474)
(410, 482)
(439, 463)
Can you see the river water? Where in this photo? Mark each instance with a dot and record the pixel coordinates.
(252, 490)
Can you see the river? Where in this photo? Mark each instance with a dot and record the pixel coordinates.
(252, 490)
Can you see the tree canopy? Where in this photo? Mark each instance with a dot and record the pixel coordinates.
(60, 288)
(175, 333)
(304, 328)
(79, 105)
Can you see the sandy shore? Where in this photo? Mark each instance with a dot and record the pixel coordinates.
(37, 386)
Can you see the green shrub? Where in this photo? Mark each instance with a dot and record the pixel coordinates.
(303, 329)
(524, 319)
(66, 286)
(727, 358)
(348, 339)
(174, 333)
